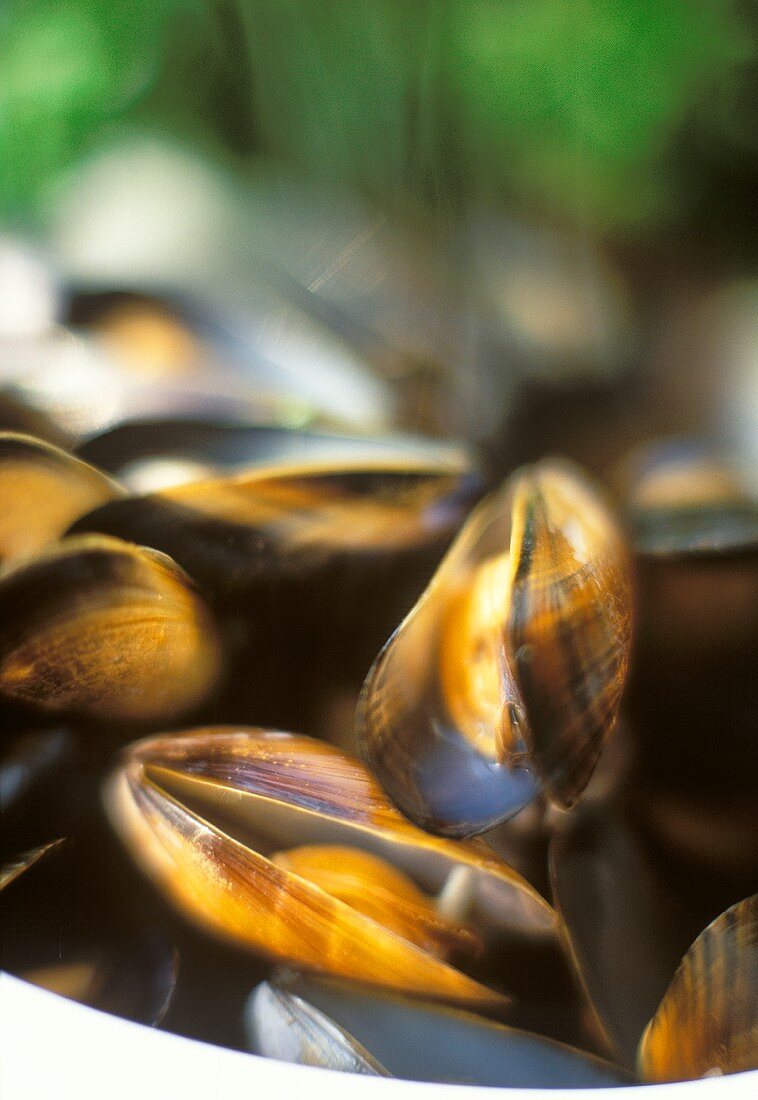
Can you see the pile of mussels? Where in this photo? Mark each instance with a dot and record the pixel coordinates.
(511, 836)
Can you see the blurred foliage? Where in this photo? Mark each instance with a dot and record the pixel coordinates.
(67, 67)
(585, 110)
(578, 105)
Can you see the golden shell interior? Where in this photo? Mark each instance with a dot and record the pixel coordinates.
(42, 491)
(507, 675)
(103, 629)
(205, 813)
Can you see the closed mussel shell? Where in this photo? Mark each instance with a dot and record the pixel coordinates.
(340, 1025)
(309, 566)
(282, 1025)
(102, 629)
(42, 491)
(263, 530)
(154, 454)
(207, 815)
(707, 1022)
(506, 676)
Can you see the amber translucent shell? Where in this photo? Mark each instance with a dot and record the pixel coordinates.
(206, 814)
(374, 887)
(506, 676)
(102, 629)
(42, 491)
(254, 531)
(707, 1023)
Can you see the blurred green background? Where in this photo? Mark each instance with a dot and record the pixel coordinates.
(628, 117)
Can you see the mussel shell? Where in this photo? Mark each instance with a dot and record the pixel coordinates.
(42, 491)
(17, 416)
(282, 1025)
(685, 500)
(333, 1024)
(266, 792)
(707, 1021)
(132, 450)
(506, 676)
(629, 913)
(103, 629)
(253, 533)
(11, 869)
(310, 568)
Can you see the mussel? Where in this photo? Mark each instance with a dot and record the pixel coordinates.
(282, 1025)
(150, 455)
(213, 816)
(707, 1022)
(685, 499)
(42, 491)
(102, 629)
(339, 1025)
(505, 678)
(310, 566)
(262, 529)
(11, 869)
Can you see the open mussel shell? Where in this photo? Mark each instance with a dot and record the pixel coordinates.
(707, 1022)
(205, 814)
(339, 1025)
(629, 914)
(155, 454)
(102, 629)
(506, 676)
(257, 531)
(42, 491)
